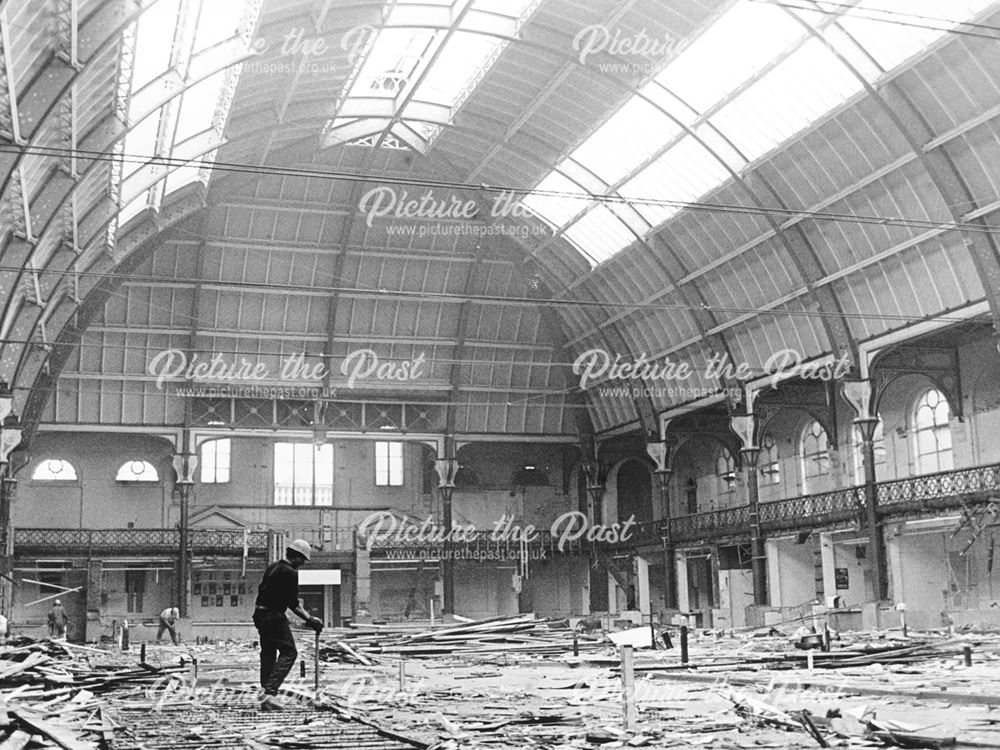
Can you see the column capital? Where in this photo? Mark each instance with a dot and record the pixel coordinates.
(867, 425)
(750, 455)
(858, 393)
(662, 454)
(447, 470)
(744, 425)
(185, 464)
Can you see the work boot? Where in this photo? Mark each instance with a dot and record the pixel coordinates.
(271, 703)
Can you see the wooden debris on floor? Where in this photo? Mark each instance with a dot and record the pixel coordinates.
(500, 636)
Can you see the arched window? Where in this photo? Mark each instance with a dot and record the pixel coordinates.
(54, 470)
(815, 454)
(878, 439)
(691, 496)
(214, 462)
(770, 469)
(725, 469)
(137, 471)
(932, 432)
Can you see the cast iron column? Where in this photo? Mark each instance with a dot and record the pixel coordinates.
(6, 541)
(10, 438)
(184, 465)
(662, 453)
(595, 491)
(876, 544)
(670, 573)
(446, 469)
(758, 556)
(859, 394)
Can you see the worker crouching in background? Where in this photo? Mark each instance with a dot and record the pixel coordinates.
(168, 621)
(278, 592)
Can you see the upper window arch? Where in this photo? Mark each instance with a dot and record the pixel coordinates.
(137, 471)
(932, 432)
(815, 451)
(770, 468)
(54, 470)
(725, 469)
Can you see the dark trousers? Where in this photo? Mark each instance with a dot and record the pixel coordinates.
(277, 649)
(164, 625)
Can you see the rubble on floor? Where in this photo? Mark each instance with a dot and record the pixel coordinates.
(523, 634)
(507, 683)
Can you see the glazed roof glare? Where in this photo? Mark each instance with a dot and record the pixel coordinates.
(418, 68)
(192, 46)
(761, 73)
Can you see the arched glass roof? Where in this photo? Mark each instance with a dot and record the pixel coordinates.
(787, 174)
(758, 74)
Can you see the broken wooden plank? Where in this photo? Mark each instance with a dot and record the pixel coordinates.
(906, 739)
(16, 741)
(32, 660)
(60, 735)
(360, 657)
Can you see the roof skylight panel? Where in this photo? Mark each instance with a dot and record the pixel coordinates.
(599, 234)
(391, 61)
(185, 64)
(734, 48)
(556, 210)
(895, 30)
(447, 79)
(154, 41)
(198, 107)
(429, 52)
(684, 173)
(626, 140)
(677, 110)
(802, 88)
(218, 20)
(140, 144)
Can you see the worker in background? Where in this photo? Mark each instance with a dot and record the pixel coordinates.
(168, 618)
(57, 620)
(278, 592)
(4, 628)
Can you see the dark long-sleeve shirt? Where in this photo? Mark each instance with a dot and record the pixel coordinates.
(279, 589)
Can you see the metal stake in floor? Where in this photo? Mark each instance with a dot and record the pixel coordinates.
(316, 667)
(628, 688)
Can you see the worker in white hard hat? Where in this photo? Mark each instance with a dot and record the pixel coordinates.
(278, 592)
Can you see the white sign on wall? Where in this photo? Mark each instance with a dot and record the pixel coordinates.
(329, 577)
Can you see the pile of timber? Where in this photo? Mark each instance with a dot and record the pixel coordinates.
(850, 657)
(46, 669)
(521, 634)
(48, 694)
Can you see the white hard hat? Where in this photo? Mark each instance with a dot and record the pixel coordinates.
(58, 602)
(302, 547)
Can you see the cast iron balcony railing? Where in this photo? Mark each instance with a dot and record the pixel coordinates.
(943, 489)
(722, 522)
(831, 507)
(137, 541)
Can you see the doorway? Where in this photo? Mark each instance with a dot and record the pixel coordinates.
(322, 601)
